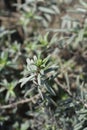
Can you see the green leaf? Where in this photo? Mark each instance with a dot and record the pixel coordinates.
(83, 3)
(49, 88)
(24, 80)
(46, 10)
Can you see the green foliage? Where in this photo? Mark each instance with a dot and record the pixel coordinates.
(43, 80)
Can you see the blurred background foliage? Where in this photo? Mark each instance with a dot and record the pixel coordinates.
(43, 65)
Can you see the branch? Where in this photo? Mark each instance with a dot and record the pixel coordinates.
(15, 104)
(63, 87)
